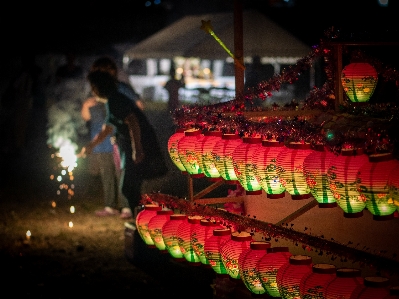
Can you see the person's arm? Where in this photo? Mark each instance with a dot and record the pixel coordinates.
(85, 112)
(135, 138)
(100, 137)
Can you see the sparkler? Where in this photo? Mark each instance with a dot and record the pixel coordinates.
(207, 27)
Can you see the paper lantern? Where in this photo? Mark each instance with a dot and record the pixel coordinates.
(374, 287)
(173, 150)
(142, 220)
(155, 228)
(266, 170)
(393, 187)
(184, 233)
(212, 249)
(290, 274)
(204, 149)
(223, 156)
(244, 167)
(345, 282)
(313, 284)
(199, 234)
(231, 250)
(359, 80)
(268, 266)
(247, 264)
(372, 182)
(169, 235)
(290, 169)
(342, 177)
(315, 167)
(187, 154)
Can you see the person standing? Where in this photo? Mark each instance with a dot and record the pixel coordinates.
(102, 161)
(172, 86)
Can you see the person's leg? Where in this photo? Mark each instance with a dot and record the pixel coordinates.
(109, 180)
(131, 184)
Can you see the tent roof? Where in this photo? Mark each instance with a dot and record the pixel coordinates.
(184, 37)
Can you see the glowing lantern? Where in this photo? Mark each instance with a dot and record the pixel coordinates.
(374, 287)
(266, 170)
(290, 274)
(173, 150)
(373, 184)
(393, 186)
(313, 284)
(142, 219)
(359, 81)
(187, 154)
(342, 177)
(345, 282)
(268, 266)
(231, 250)
(204, 149)
(155, 228)
(290, 169)
(184, 233)
(212, 249)
(169, 235)
(243, 166)
(223, 156)
(315, 167)
(199, 234)
(247, 264)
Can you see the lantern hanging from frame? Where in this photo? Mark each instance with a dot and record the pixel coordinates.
(313, 284)
(247, 264)
(169, 235)
(290, 169)
(266, 170)
(345, 282)
(173, 150)
(187, 154)
(393, 186)
(223, 156)
(342, 177)
(244, 167)
(142, 219)
(374, 287)
(359, 80)
(231, 250)
(372, 182)
(315, 168)
(268, 266)
(204, 149)
(155, 228)
(290, 274)
(212, 249)
(184, 233)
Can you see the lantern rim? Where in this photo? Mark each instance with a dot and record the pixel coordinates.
(348, 272)
(324, 268)
(300, 259)
(376, 281)
(178, 217)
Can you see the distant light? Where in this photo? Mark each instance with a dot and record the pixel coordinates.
(157, 2)
(72, 209)
(383, 3)
(147, 3)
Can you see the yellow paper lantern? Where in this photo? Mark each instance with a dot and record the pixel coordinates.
(359, 80)
(155, 228)
(170, 238)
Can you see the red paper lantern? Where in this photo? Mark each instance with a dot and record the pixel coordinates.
(231, 250)
(169, 235)
(184, 233)
(187, 154)
(244, 167)
(247, 264)
(142, 220)
(313, 284)
(268, 266)
(315, 167)
(345, 282)
(204, 149)
(266, 170)
(373, 184)
(374, 287)
(290, 274)
(342, 177)
(223, 156)
(290, 169)
(359, 80)
(212, 248)
(155, 228)
(199, 234)
(173, 149)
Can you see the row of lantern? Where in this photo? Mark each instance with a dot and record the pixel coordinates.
(352, 180)
(263, 269)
